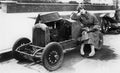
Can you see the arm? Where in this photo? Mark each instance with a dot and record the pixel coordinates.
(96, 23)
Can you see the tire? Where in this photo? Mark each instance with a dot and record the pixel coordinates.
(52, 57)
(104, 25)
(18, 43)
(100, 41)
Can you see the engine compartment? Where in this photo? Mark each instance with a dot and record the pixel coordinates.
(59, 30)
(51, 27)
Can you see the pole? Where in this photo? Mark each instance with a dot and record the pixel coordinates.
(116, 4)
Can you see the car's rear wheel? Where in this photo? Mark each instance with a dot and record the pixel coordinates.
(52, 57)
(104, 25)
(18, 43)
(100, 41)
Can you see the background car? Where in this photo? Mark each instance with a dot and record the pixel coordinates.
(110, 23)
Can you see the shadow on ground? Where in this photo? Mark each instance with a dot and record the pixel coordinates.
(5, 56)
(73, 57)
(106, 53)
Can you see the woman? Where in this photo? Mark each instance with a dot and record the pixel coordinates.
(90, 32)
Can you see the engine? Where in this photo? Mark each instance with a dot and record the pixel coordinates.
(55, 31)
(59, 30)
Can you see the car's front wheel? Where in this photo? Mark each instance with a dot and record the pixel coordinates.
(105, 25)
(18, 43)
(52, 57)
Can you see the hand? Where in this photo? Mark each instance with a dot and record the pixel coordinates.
(86, 29)
(78, 14)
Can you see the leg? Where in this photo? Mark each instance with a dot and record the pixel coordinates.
(92, 51)
(81, 50)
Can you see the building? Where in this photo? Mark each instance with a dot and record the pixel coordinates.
(108, 2)
(116, 3)
(32, 0)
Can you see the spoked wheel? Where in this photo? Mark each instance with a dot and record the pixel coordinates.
(52, 56)
(18, 43)
(104, 25)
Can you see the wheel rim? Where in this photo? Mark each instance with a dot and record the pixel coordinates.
(53, 57)
(105, 25)
(105, 28)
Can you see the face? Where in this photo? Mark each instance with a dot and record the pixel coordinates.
(82, 11)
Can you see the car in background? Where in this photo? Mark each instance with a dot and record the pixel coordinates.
(110, 23)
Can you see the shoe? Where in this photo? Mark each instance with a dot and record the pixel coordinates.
(82, 53)
(92, 51)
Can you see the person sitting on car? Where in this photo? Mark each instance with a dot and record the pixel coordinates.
(90, 30)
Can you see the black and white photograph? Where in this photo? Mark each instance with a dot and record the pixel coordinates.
(60, 36)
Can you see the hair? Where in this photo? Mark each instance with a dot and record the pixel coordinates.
(79, 8)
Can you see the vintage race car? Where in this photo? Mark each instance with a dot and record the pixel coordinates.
(52, 37)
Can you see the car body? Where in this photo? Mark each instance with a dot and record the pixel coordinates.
(52, 37)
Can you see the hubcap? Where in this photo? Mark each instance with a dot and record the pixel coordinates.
(53, 57)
